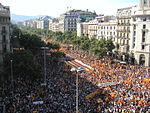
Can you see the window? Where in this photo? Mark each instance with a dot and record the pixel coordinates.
(143, 36)
(124, 34)
(128, 21)
(127, 42)
(145, 2)
(134, 27)
(3, 29)
(144, 19)
(144, 26)
(143, 47)
(142, 59)
(123, 42)
(134, 19)
(133, 39)
(134, 33)
(4, 48)
(4, 38)
(133, 45)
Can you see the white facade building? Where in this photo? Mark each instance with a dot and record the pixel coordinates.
(40, 23)
(123, 31)
(140, 34)
(101, 27)
(107, 30)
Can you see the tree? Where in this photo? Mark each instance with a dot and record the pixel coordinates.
(101, 47)
(53, 46)
(85, 43)
(100, 52)
(30, 41)
(68, 36)
(23, 64)
(109, 45)
(58, 36)
(15, 31)
(57, 54)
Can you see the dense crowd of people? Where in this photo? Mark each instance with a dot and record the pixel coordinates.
(130, 94)
(31, 96)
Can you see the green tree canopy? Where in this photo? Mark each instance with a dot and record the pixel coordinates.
(30, 41)
(23, 63)
(53, 46)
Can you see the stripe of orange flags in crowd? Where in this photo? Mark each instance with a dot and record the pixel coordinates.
(91, 95)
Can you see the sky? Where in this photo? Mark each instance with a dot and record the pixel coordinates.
(56, 7)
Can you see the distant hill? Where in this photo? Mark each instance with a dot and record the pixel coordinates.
(20, 18)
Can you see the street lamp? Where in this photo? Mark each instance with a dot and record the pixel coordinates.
(79, 69)
(11, 65)
(45, 83)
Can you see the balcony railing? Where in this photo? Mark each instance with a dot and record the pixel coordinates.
(4, 42)
(5, 13)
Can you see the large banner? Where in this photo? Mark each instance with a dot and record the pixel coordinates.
(108, 84)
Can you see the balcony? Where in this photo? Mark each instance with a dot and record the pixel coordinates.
(4, 42)
(4, 32)
(146, 30)
(4, 13)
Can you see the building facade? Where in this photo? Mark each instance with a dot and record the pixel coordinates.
(92, 29)
(4, 32)
(140, 34)
(130, 32)
(82, 29)
(123, 31)
(101, 27)
(72, 17)
(107, 30)
(40, 23)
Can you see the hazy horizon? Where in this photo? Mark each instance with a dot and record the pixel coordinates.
(56, 7)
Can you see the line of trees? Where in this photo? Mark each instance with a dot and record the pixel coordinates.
(99, 47)
(27, 46)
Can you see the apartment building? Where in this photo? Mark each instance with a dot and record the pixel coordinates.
(4, 32)
(107, 30)
(55, 25)
(30, 23)
(92, 29)
(41, 22)
(101, 27)
(140, 34)
(123, 31)
(82, 29)
(72, 17)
